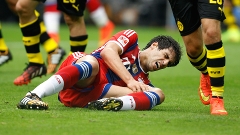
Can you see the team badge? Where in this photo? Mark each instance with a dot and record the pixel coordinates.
(134, 68)
(180, 26)
(123, 40)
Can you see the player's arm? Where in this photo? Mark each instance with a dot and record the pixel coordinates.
(110, 54)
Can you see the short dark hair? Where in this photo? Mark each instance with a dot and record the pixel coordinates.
(165, 42)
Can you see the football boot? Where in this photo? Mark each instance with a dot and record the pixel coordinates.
(5, 57)
(217, 106)
(204, 90)
(107, 104)
(30, 72)
(32, 101)
(54, 60)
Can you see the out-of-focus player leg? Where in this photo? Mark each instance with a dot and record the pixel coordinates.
(51, 17)
(100, 18)
(5, 54)
(31, 31)
(236, 10)
(232, 32)
(50, 45)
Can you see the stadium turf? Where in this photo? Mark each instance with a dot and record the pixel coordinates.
(181, 114)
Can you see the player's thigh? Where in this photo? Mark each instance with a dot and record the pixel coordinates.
(72, 7)
(186, 15)
(26, 7)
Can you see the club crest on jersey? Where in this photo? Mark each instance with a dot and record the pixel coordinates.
(134, 68)
(123, 40)
(180, 26)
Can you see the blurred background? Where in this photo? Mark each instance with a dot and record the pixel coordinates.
(146, 13)
(121, 12)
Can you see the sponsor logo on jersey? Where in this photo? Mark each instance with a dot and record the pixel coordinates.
(123, 40)
(140, 79)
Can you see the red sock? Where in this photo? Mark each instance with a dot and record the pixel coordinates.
(145, 100)
(70, 75)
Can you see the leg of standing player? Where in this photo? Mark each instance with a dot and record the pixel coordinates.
(36, 66)
(100, 18)
(51, 17)
(210, 61)
(5, 54)
(73, 16)
(211, 29)
(30, 27)
(232, 32)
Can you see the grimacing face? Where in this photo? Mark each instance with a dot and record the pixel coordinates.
(160, 59)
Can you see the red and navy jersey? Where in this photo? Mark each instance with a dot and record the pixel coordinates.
(79, 97)
(127, 40)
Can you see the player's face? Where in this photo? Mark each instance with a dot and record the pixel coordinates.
(160, 59)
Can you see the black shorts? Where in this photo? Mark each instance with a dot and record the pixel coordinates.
(188, 13)
(72, 7)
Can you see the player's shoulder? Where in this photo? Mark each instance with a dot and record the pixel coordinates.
(129, 32)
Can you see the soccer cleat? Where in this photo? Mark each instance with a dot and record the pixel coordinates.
(30, 72)
(107, 104)
(5, 57)
(54, 60)
(106, 33)
(204, 90)
(32, 101)
(217, 106)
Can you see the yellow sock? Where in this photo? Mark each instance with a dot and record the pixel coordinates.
(31, 41)
(200, 62)
(216, 67)
(3, 46)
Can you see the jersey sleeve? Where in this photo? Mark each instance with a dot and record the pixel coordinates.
(125, 39)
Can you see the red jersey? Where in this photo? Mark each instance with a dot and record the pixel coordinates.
(127, 40)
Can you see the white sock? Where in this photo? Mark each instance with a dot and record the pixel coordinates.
(99, 17)
(52, 21)
(51, 86)
(128, 103)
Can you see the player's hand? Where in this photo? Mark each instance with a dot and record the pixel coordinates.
(136, 86)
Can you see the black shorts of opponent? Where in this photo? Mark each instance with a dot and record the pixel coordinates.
(70, 7)
(188, 13)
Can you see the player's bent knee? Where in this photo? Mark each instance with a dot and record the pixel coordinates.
(22, 9)
(160, 94)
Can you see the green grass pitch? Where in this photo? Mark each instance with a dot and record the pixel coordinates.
(181, 114)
